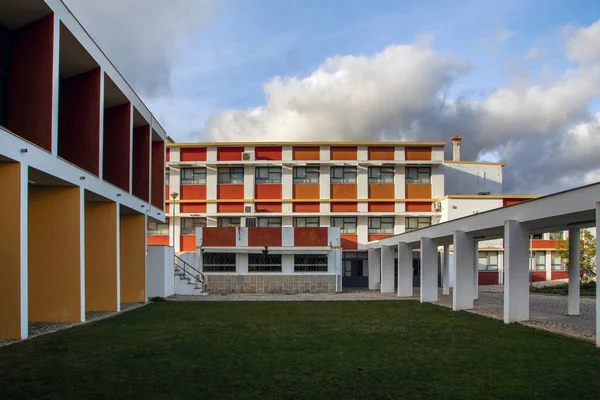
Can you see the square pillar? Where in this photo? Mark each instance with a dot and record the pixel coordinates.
(405, 270)
(429, 271)
(374, 268)
(516, 272)
(597, 286)
(475, 270)
(446, 273)
(387, 269)
(574, 268)
(13, 251)
(56, 254)
(102, 256)
(462, 295)
(133, 258)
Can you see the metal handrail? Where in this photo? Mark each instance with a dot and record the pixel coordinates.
(186, 266)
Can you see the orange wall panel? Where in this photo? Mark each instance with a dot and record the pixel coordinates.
(559, 275)
(267, 191)
(229, 153)
(158, 240)
(167, 193)
(381, 153)
(381, 191)
(228, 192)
(306, 153)
(267, 152)
(418, 207)
(343, 152)
(215, 237)
(311, 237)
(510, 202)
(417, 153)
(543, 244)
(418, 191)
(260, 237)
(349, 242)
(192, 208)
(308, 191)
(382, 207)
(343, 190)
(307, 207)
(167, 208)
(230, 207)
(192, 192)
(267, 207)
(344, 207)
(168, 155)
(187, 242)
(192, 154)
(538, 276)
(379, 236)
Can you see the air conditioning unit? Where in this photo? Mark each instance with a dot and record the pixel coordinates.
(248, 156)
(248, 209)
(437, 206)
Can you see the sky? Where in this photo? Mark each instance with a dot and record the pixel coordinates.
(519, 81)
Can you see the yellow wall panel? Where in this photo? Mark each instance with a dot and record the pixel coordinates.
(133, 258)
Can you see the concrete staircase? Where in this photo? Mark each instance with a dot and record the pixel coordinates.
(188, 282)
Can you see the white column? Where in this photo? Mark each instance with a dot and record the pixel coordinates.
(574, 270)
(500, 267)
(399, 183)
(475, 270)
(597, 286)
(362, 187)
(446, 266)
(405, 270)
(462, 295)
(387, 269)
(374, 268)
(429, 271)
(516, 272)
(325, 183)
(287, 188)
(548, 265)
(362, 230)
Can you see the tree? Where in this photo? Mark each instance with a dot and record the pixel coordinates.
(587, 254)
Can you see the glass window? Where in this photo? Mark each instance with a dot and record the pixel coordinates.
(308, 174)
(381, 225)
(307, 222)
(383, 174)
(310, 263)
(343, 175)
(557, 263)
(218, 262)
(226, 175)
(267, 175)
(167, 175)
(555, 235)
(158, 228)
(189, 225)
(271, 222)
(264, 262)
(538, 236)
(540, 260)
(418, 175)
(346, 224)
(413, 223)
(193, 176)
(225, 222)
(488, 261)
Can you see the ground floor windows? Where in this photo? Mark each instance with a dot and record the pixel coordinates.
(310, 263)
(218, 262)
(539, 261)
(306, 222)
(413, 223)
(226, 222)
(158, 228)
(558, 263)
(488, 261)
(264, 262)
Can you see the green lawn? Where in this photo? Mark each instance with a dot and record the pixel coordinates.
(586, 289)
(299, 350)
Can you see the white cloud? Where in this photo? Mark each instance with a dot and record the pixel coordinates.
(584, 46)
(534, 53)
(500, 38)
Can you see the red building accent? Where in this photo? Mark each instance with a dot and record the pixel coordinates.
(141, 162)
(219, 237)
(229, 153)
(192, 208)
(382, 207)
(192, 154)
(158, 240)
(311, 237)
(267, 152)
(349, 242)
(230, 192)
(260, 237)
(193, 192)
(306, 207)
(187, 243)
(117, 141)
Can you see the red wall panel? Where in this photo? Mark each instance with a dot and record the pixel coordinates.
(311, 237)
(344, 207)
(168, 155)
(158, 173)
(167, 193)
(30, 82)
(267, 191)
(230, 192)
(229, 153)
(307, 207)
(141, 162)
(193, 192)
(192, 208)
(559, 275)
(215, 237)
(382, 207)
(488, 278)
(192, 154)
(260, 237)
(539, 276)
(412, 206)
(187, 242)
(158, 240)
(267, 152)
(510, 202)
(349, 242)
(230, 207)
(117, 144)
(267, 207)
(543, 244)
(378, 236)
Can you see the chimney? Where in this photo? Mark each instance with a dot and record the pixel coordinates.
(456, 148)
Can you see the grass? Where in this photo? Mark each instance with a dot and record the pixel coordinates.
(586, 289)
(299, 350)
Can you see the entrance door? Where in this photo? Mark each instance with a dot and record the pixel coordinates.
(356, 269)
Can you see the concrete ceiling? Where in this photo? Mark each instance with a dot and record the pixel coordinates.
(39, 178)
(15, 14)
(74, 58)
(112, 94)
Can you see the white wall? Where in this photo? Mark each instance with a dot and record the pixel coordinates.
(467, 178)
(457, 208)
(160, 271)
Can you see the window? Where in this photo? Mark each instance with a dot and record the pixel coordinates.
(538, 236)
(269, 222)
(158, 228)
(167, 175)
(267, 175)
(307, 222)
(413, 223)
(308, 174)
(310, 263)
(193, 176)
(226, 175)
(218, 262)
(540, 260)
(381, 225)
(343, 174)
(555, 235)
(347, 224)
(225, 222)
(557, 263)
(189, 225)
(488, 261)
(381, 174)
(418, 175)
(264, 262)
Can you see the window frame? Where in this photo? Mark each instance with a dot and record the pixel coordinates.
(198, 176)
(488, 266)
(381, 174)
(219, 267)
(536, 266)
(554, 256)
(306, 174)
(271, 222)
(420, 223)
(346, 221)
(381, 225)
(230, 173)
(273, 175)
(306, 224)
(557, 235)
(156, 231)
(311, 263)
(258, 262)
(186, 230)
(220, 221)
(348, 174)
(421, 175)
